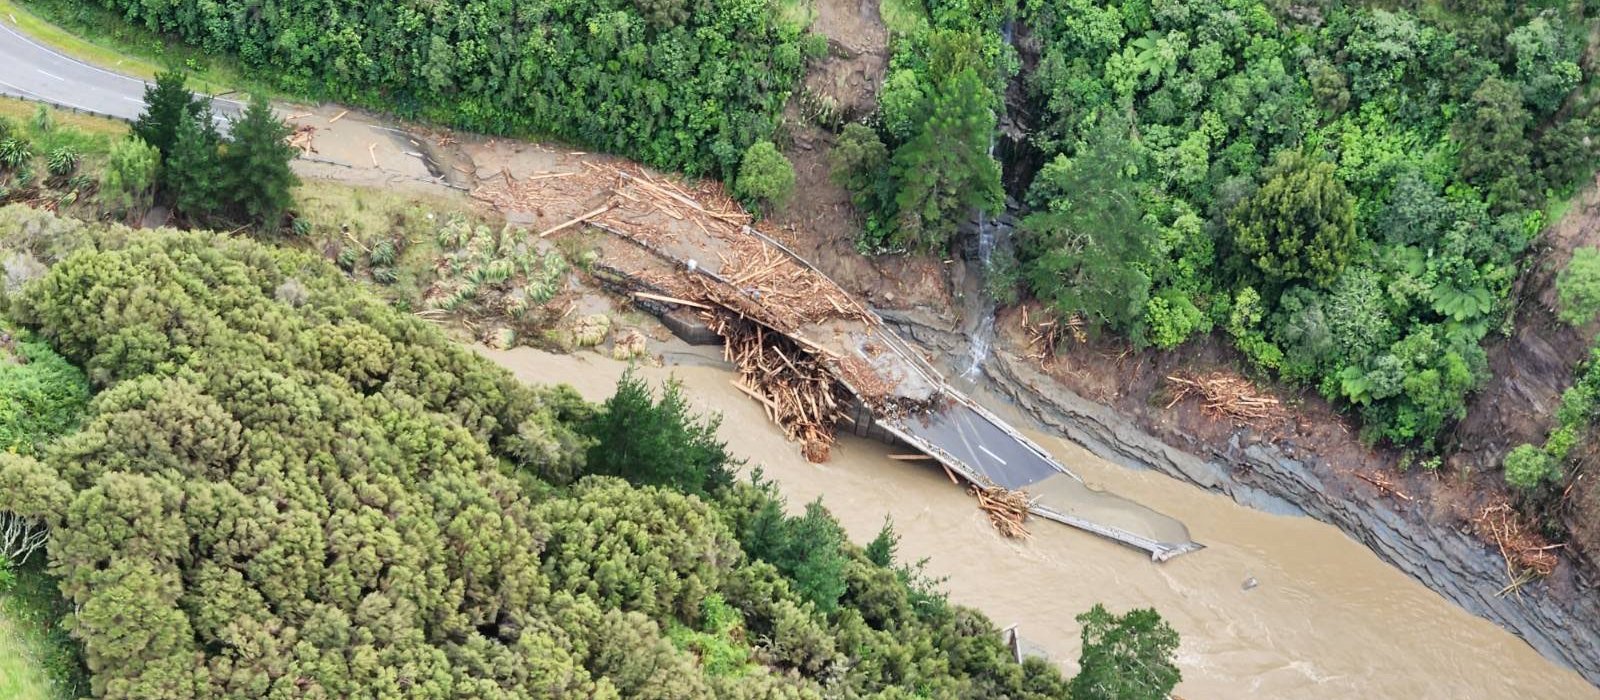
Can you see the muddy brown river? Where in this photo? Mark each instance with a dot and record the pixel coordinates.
(1327, 620)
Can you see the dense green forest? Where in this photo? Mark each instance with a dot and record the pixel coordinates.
(284, 487)
(1346, 191)
(682, 85)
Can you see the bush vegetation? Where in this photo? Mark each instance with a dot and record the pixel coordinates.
(42, 397)
(1346, 189)
(1578, 287)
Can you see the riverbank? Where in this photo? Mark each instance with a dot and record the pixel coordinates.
(1274, 473)
(1328, 620)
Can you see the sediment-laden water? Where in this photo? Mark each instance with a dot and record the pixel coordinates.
(1327, 619)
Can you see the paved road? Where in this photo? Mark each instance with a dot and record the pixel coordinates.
(31, 70)
(976, 440)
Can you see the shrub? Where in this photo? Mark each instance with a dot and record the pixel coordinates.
(766, 176)
(63, 162)
(1527, 467)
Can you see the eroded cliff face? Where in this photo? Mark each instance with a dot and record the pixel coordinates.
(1559, 618)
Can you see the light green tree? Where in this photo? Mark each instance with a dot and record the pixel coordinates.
(1527, 467)
(766, 177)
(130, 174)
(1126, 657)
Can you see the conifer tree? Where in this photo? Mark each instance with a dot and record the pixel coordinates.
(945, 171)
(167, 104)
(259, 182)
(193, 173)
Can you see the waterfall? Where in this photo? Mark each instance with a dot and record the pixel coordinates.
(983, 335)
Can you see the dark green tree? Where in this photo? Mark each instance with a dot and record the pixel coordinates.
(806, 549)
(258, 182)
(881, 549)
(1495, 150)
(1300, 225)
(945, 172)
(167, 104)
(1126, 657)
(660, 443)
(1089, 249)
(859, 162)
(194, 177)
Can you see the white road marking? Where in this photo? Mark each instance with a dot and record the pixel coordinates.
(134, 100)
(53, 100)
(52, 75)
(53, 52)
(991, 454)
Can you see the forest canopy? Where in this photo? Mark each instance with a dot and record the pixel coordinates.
(1345, 190)
(682, 85)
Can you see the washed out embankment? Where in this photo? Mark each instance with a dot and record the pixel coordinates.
(1257, 473)
(1328, 620)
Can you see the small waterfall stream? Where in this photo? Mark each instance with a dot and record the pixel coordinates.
(982, 337)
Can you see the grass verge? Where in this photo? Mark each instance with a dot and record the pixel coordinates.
(98, 36)
(38, 660)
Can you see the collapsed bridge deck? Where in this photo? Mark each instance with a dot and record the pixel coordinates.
(803, 346)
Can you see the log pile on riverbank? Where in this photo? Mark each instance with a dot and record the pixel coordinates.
(801, 343)
(1227, 396)
(792, 382)
(1523, 549)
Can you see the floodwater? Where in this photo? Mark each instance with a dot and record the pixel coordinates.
(1327, 620)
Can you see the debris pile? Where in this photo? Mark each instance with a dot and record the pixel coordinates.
(1048, 334)
(786, 326)
(1523, 549)
(302, 138)
(769, 284)
(1007, 509)
(792, 383)
(1227, 395)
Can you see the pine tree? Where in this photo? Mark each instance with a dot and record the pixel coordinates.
(193, 173)
(662, 443)
(946, 171)
(167, 104)
(259, 182)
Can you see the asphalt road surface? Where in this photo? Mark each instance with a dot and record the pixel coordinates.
(34, 71)
(978, 442)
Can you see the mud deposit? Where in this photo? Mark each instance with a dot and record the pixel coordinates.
(1329, 619)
